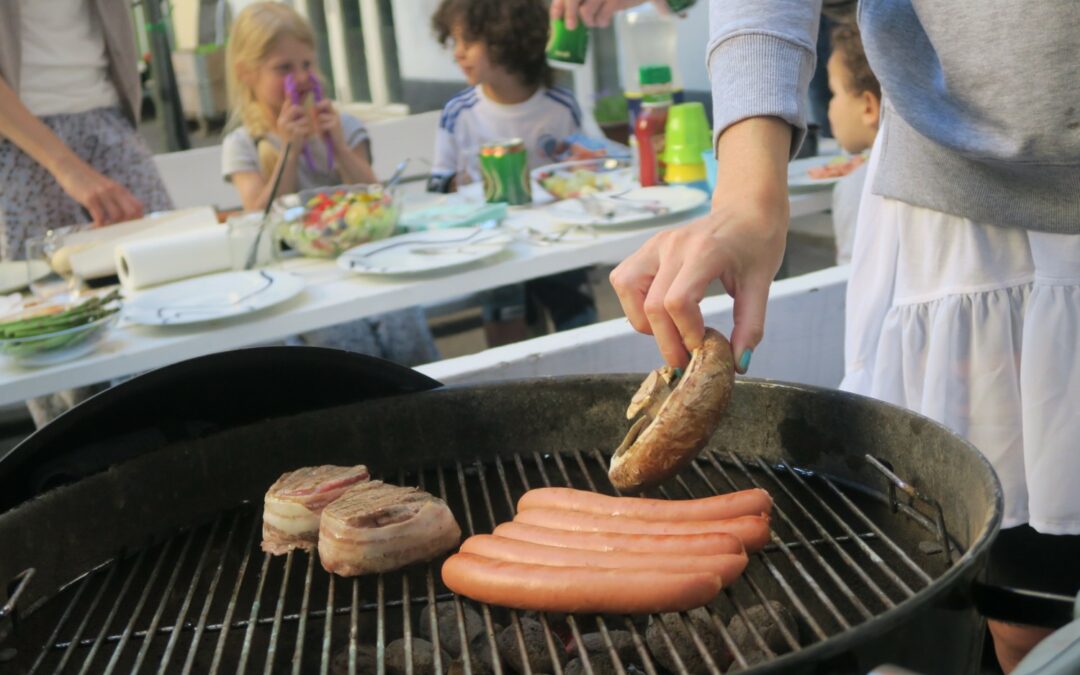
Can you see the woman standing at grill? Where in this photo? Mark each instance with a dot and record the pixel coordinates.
(964, 297)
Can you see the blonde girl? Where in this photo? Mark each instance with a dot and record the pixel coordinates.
(269, 43)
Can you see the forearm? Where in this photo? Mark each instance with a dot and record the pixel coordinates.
(761, 57)
(30, 134)
(753, 154)
(354, 165)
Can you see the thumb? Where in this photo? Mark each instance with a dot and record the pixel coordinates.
(749, 312)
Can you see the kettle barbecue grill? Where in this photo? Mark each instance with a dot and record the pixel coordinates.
(148, 559)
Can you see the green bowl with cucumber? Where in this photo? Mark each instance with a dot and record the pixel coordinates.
(54, 333)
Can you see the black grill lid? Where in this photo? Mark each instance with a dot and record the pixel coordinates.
(192, 399)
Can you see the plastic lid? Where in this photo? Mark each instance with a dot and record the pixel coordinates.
(654, 74)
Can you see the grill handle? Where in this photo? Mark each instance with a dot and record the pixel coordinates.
(1058, 654)
(1016, 605)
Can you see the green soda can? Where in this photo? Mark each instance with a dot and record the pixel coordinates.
(565, 46)
(505, 167)
(680, 5)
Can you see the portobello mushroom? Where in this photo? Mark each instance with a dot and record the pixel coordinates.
(678, 415)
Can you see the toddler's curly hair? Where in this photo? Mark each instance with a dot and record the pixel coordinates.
(514, 31)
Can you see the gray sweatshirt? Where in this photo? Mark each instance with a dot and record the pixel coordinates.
(982, 99)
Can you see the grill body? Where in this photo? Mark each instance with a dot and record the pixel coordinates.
(155, 564)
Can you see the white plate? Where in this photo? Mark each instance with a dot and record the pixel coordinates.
(217, 296)
(18, 274)
(425, 252)
(632, 207)
(799, 178)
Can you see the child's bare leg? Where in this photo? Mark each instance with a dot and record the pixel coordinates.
(1012, 641)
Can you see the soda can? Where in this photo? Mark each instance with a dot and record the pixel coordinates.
(680, 5)
(565, 46)
(505, 167)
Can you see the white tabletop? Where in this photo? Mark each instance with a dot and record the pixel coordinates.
(333, 296)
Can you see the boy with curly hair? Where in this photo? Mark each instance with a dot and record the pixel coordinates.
(499, 46)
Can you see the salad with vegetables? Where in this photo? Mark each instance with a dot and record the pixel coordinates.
(574, 184)
(337, 220)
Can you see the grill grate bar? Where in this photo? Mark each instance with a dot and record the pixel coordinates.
(230, 609)
(60, 624)
(328, 624)
(834, 541)
(279, 611)
(485, 611)
(544, 623)
(406, 615)
(112, 612)
(125, 637)
(514, 619)
(846, 590)
(459, 611)
(155, 621)
(380, 627)
(301, 627)
(687, 626)
(188, 597)
(112, 567)
(762, 598)
(211, 591)
(873, 528)
(796, 602)
(354, 628)
(256, 604)
(810, 580)
(592, 485)
(717, 621)
(433, 612)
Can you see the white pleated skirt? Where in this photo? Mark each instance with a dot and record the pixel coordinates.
(978, 327)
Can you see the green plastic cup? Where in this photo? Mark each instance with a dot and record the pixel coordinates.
(687, 134)
(567, 47)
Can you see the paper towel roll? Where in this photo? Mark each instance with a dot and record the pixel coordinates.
(170, 258)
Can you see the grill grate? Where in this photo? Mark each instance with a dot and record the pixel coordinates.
(208, 600)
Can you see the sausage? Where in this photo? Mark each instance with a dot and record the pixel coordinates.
(709, 543)
(731, 505)
(728, 566)
(590, 590)
(752, 530)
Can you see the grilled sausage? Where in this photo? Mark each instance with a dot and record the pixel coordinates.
(729, 566)
(710, 543)
(732, 505)
(576, 589)
(752, 530)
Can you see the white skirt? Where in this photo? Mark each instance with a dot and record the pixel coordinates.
(978, 327)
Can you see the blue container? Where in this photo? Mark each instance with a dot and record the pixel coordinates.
(710, 168)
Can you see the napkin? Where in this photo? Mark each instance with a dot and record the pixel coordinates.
(166, 258)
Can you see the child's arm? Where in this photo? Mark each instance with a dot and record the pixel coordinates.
(355, 162)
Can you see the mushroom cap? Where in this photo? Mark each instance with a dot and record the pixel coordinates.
(684, 422)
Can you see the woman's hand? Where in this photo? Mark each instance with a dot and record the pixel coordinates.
(593, 13)
(741, 242)
(295, 123)
(107, 201)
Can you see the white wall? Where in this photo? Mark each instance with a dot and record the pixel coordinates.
(419, 56)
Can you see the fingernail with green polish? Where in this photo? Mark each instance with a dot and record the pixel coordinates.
(744, 360)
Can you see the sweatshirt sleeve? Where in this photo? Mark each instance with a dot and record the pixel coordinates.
(760, 59)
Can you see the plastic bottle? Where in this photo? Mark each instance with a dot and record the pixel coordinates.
(649, 134)
(646, 37)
